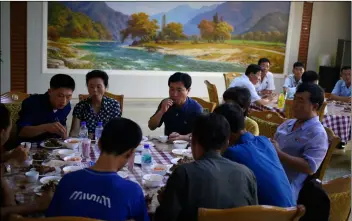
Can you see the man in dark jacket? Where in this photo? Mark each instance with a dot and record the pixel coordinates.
(211, 181)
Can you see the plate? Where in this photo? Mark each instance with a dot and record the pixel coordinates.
(144, 138)
(42, 144)
(54, 163)
(138, 159)
(139, 148)
(38, 190)
(178, 151)
(122, 174)
(56, 152)
(175, 160)
(47, 179)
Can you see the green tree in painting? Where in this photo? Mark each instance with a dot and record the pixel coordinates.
(223, 31)
(206, 30)
(174, 31)
(215, 30)
(139, 26)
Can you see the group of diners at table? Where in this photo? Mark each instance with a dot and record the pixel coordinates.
(232, 167)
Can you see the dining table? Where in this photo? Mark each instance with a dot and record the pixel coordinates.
(25, 191)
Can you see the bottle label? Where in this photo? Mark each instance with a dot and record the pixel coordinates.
(147, 158)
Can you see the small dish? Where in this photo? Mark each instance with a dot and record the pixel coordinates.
(72, 143)
(65, 153)
(180, 144)
(72, 160)
(152, 180)
(47, 179)
(32, 176)
(163, 139)
(159, 169)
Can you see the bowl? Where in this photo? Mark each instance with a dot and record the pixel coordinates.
(153, 180)
(27, 162)
(65, 153)
(32, 176)
(159, 169)
(163, 139)
(72, 143)
(72, 160)
(69, 169)
(180, 144)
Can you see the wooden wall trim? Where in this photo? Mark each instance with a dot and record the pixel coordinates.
(305, 32)
(18, 46)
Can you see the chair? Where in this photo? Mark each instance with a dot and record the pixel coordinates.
(266, 128)
(252, 213)
(266, 115)
(289, 113)
(339, 191)
(208, 107)
(117, 97)
(13, 97)
(61, 218)
(327, 95)
(334, 142)
(229, 77)
(213, 92)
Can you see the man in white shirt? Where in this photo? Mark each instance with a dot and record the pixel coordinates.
(266, 85)
(294, 79)
(248, 80)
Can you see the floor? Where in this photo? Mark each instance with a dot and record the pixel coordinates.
(140, 110)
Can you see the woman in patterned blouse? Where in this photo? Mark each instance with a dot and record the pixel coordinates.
(97, 107)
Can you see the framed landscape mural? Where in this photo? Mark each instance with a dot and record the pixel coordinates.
(165, 36)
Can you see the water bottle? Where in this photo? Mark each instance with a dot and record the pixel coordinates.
(281, 101)
(147, 160)
(83, 132)
(98, 132)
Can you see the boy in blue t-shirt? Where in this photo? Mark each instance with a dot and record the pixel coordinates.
(99, 192)
(259, 155)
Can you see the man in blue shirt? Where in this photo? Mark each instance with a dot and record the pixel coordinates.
(294, 79)
(342, 89)
(99, 192)
(302, 143)
(259, 155)
(178, 111)
(44, 116)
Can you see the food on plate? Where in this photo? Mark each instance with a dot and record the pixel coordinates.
(73, 141)
(74, 159)
(50, 186)
(43, 169)
(183, 160)
(52, 143)
(41, 155)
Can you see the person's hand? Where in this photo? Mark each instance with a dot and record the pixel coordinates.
(56, 128)
(19, 154)
(275, 144)
(175, 136)
(43, 202)
(165, 105)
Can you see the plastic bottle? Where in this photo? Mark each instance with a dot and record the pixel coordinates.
(147, 160)
(281, 101)
(83, 132)
(98, 131)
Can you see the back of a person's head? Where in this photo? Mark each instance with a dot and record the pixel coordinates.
(263, 60)
(310, 77)
(253, 68)
(211, 131)
(298, 64)
(62, 81)
(345, 68)
(181, 77)
(120, 135)
(315, 91)
(4, 117)
(240, 96)
(98, 74)
(233, 114)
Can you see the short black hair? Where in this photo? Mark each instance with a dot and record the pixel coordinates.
(233, 114)
(298, 64)
(239, 95)
(211, 131)
(183, 77)
(263, 60)
(315, 91)
(253, 68)
(98, 74)
(119, 135)
(62, 81)
(4, 117)
(310, 77)
(345, 68)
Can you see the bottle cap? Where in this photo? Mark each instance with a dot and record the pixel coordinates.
(146, 146)
(100, 124)
(83, 123)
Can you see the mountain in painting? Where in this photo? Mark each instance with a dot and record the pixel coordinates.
(276, 21)
(241, 15)
(113, 20)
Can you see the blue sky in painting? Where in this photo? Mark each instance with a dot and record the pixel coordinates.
(152, 8)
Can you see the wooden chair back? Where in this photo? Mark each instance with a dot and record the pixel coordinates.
(213, 92)
(339, 191)
(252, 213)
(327, 95)
(289, 112)
(13, 97)
(266, 115)
(117, 97)
(208, 107)
(266, 128)
(228, 77)
(61, 218)
(334, 142)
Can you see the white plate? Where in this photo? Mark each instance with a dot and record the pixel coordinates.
(174, 161)
(38, 190)
(47, 179)
(54, 163)
(122, 174)
(56, 152)
(42, 145)
(139, 148)
(178, 151)
(138, 159)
